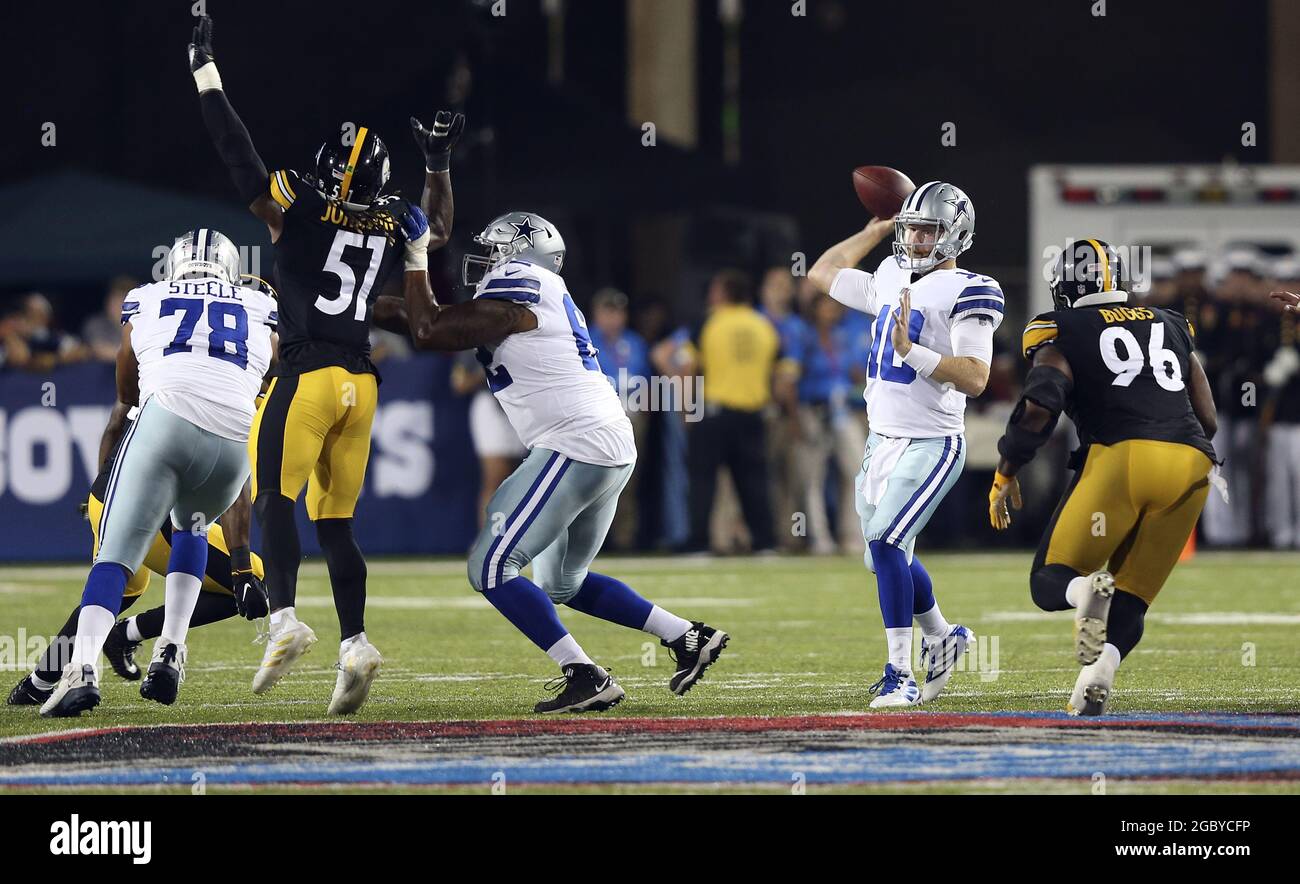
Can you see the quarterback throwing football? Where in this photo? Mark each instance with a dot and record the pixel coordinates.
(931, 349)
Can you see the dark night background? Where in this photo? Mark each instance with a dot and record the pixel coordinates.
(851, 83)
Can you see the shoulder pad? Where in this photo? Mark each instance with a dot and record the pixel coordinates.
(284, 187)
(514, 281)
(1040, 331)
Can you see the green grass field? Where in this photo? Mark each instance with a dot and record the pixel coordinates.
(806, 639)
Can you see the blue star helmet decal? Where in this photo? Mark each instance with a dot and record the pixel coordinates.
(524, 229)
(959, 205)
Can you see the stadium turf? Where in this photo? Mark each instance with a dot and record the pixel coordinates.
(806, 640)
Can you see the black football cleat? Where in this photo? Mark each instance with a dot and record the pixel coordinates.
(166, 672)
(584, 687)
(76, 692)
(27, 694)
(693, 653)
(119, 651)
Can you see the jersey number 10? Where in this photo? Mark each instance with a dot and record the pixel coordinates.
(880, 360)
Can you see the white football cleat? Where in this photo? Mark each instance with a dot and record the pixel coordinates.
(896, 688)
(76, 692)
(1090, 618)
(359, 663)
(941, 659)
(1092, 689)
(284, 646)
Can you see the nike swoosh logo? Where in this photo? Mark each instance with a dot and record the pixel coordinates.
(603, 685)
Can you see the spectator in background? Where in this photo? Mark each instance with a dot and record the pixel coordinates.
(625, 359)
(13, 349)
(825, 429)
(777, 298)
(101, 334)
(666, 515)
(38, 345)
(736, 350)
(496, 443)
(1281, 414)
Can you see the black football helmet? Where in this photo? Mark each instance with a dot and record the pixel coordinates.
(352, 170)
(1086, 267)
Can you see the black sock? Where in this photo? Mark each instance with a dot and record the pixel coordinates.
(1047, 586)
(50, 666)
(347, 569)
(212, 607)
(1126, 621)
(281, 550)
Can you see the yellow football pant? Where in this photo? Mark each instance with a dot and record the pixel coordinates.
(1131, 511)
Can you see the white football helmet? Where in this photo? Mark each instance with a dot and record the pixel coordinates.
(515, 236)
(937, 222)
(203, 253)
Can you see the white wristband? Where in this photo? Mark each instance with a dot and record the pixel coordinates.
(416, 256)
(923, 359)
(207, 78)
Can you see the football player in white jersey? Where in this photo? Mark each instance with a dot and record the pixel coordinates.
(931, 348)
(556, 508)
(195, 350)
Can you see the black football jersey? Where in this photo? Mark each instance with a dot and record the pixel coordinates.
(1131, 366)
(330, 265)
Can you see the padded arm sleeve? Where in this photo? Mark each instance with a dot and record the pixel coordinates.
(855, 289)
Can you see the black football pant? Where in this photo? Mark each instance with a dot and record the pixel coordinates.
(736, 440)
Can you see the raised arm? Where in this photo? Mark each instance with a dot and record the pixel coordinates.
(231, 139)
(436, 144)
(848, 254)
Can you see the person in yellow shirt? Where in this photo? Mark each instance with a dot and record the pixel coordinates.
(737, 350)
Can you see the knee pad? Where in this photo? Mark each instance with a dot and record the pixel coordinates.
(1047, 586)
(339, 546)
(271, 504)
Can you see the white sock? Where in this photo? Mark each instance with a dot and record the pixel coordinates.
(93, 625)
(567, 651)
(179, 601)
(1110, 656)
(282, 614)
(665, 624)
(1078, 589)
(900, 648)
(39, 683)
(133, 631)
(932, 623)
(358, 639)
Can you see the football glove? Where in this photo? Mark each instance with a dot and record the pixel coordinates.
(1004, 488)
(436, 143)
(202, 64)
(251, 598)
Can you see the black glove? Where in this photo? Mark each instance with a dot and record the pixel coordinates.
(201, 44)
(436, 143)
(251, 598)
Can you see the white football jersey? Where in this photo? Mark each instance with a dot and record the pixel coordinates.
(899, 402)
(204, 347)
(547, 379)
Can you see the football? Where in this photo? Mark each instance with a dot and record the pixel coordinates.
(881, 190)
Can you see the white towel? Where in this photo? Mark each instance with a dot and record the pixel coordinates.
(884, 457)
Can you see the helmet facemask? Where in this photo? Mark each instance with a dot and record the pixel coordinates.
(922, 243)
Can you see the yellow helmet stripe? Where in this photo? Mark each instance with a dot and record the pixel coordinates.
(352, 163)
(1105, 265)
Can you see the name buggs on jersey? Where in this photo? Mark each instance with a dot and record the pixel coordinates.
(204, 347)
(944, 302)
(547, 379)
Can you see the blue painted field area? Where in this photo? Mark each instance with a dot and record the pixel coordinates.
(905, 748)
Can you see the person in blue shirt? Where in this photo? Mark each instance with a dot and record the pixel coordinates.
(624, 357)
(829, 426)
